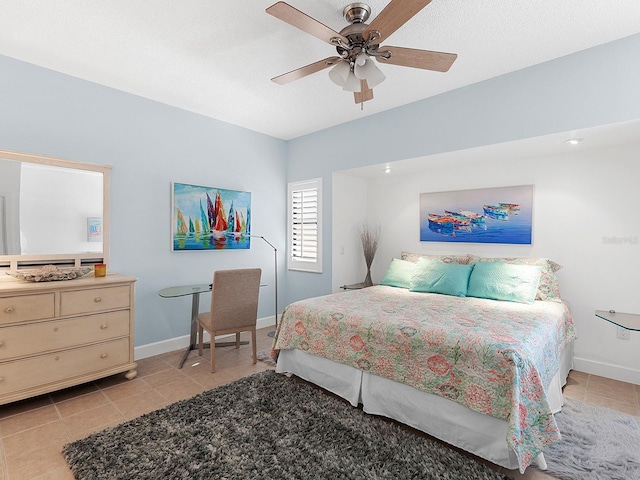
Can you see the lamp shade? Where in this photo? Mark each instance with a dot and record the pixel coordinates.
(339, 73)
(368, 71)
(352, 84)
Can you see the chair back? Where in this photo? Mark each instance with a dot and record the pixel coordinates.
(234, 298)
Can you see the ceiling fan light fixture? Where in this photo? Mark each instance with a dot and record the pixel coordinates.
(360, 60)
(369, 72)
(339, 73)
(352, 84)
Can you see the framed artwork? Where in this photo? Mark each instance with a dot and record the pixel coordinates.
(209, 218)
(488, 215)
(94, 229)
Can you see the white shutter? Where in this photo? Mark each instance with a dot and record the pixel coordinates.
(305, 225)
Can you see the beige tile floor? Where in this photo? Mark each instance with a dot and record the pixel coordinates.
(32, 432)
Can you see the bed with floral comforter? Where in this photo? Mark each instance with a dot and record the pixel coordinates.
(493, 357)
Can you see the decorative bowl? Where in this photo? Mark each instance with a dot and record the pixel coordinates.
(49, 273)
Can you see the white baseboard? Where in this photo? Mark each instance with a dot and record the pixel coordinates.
(171, 344)
(602, 369)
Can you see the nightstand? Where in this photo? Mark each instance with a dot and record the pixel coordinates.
(628, 321)
(355, 286)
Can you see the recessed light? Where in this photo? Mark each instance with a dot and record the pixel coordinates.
(574, 141)
(387, 169)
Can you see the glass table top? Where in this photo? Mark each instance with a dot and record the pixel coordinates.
(184, 290)
(630, 321)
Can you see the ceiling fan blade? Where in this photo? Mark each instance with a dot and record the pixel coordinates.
(304, 71)
(425, 59)
(393, 16)
(365, 94)
(304, 22)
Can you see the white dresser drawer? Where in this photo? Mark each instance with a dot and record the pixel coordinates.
(73, 302)
(55, 367)
(25, 308)
(43, 337)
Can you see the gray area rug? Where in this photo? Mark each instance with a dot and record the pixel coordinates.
(597, 444)
(265, 356)
(266, 426)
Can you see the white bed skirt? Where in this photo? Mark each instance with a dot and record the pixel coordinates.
(479, 434)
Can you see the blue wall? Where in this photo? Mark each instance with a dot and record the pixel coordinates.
(149, 146)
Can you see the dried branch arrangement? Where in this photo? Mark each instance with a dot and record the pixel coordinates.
(369, 236)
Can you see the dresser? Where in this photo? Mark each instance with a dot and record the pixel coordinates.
(54, 335)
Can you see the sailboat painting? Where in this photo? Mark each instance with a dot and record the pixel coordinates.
(209, 218)
(487, 215)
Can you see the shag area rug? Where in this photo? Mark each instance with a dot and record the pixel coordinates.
(597, 444)
(265, 356)
(266, 426)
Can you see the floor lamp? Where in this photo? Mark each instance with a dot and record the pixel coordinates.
(275, 275)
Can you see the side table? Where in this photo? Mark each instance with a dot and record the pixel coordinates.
(355, 286)
(628, 321)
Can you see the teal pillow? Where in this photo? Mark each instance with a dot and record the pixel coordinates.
(504, 281)
(433, 276)
(399, 273)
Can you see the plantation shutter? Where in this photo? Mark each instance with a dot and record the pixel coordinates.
(304, 225)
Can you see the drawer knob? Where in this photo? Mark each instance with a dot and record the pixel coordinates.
(8, 310)
(56, 358)
(104, 355)
(1, 379)
(97, 299)
(104, 326)
(1, 343)
(55, 329)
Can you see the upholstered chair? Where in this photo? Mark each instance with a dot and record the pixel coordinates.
(234, 308)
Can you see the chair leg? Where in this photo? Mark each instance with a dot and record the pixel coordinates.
(200, 333)
(253, 345)
(212, 349)
(237, 340)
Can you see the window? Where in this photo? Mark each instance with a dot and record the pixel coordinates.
(305, 222)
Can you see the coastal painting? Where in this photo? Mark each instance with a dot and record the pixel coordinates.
(488, 215)
(209, 218)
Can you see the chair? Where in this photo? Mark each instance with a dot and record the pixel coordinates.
(234, 308)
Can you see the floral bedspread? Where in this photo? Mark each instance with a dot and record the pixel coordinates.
(493, 357)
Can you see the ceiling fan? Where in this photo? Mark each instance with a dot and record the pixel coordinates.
(359, 43)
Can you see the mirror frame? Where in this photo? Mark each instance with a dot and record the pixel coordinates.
(14, 262)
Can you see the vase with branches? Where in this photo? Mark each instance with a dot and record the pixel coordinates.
(369, 236)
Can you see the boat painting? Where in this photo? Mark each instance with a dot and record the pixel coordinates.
(489, 215)
(209, 218)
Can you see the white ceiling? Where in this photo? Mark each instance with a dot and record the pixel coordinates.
(216, 58)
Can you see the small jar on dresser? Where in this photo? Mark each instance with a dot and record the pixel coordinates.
(55, 335)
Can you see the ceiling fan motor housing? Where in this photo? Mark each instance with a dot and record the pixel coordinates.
(356, 14)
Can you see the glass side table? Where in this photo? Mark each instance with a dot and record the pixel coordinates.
(628, 321)
(353, 286)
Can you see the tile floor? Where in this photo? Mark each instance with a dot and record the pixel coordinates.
(32, 432)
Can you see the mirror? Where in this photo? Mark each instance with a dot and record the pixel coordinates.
(52, 211)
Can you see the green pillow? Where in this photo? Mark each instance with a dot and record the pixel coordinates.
(399, 273)
(433, 276)
(504, 281)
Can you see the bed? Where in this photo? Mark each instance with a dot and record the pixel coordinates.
(480, 373)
